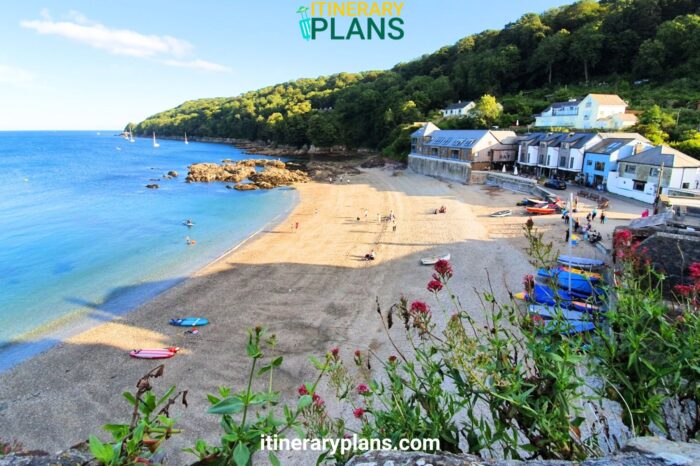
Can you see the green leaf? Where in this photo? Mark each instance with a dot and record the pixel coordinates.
(304, 401)
(230, 405)
(277, 361)
(130, 398)
(102, 451)
(241, 454)
(166, 395)
(274, 461)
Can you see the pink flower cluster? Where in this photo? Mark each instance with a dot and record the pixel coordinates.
(691, 292)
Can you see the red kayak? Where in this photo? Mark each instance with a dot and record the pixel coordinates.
(540, 210)
(159, 353)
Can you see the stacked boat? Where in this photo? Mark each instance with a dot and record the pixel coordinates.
(569, 297)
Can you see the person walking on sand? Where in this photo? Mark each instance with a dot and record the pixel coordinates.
(567, 236)
(575, 203)
(602, 217)
(296, 226)
(594, 213)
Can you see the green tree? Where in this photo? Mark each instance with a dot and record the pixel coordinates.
(551, 50)
(487, 111)
(586, 46)
(323, 131)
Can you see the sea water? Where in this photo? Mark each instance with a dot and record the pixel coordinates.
(80, 234)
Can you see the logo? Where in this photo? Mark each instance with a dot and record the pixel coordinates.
(352, 21)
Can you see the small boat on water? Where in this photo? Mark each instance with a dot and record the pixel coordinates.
(155, 143)
(580, 262)
(502, 213)
(434, 260)
(186, 141)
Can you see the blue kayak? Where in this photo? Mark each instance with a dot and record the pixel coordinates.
(189, 322)
(542, 294)
(581, 286)
(548, 312)
(580, 262)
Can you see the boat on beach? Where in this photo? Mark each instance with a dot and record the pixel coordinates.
(435, 259)
(580, 262)
(542, 294)
(502, 213)
(549, 312)
(545, 210)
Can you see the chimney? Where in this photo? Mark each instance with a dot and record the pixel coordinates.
(637, 148)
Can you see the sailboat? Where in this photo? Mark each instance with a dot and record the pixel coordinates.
(186, 141)
(131, 136)
(155, 144)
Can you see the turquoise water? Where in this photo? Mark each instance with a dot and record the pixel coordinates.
(81, 233)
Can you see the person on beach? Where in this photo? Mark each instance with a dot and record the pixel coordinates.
(366, 213)
(393, 227)
(594, 213)
(575, 203)
(645, 213)
(602, 217)
(566, 240)
(577, 225)
(588, 217)
(296, 226)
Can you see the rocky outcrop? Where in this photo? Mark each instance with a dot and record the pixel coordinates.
(172, 174)
(152, 186)
(275, 173)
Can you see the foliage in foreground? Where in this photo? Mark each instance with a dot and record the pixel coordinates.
(509, 386)
(139, 442)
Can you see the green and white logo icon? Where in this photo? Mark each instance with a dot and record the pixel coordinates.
(304, 22)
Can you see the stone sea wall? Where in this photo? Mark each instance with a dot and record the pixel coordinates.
(440, 168)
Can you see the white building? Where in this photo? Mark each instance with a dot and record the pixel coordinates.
(603, 111)
(638, 175)
(457, 110)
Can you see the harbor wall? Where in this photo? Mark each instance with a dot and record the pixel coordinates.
(440, 168)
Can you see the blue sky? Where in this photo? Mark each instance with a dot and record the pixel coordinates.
(89, 64)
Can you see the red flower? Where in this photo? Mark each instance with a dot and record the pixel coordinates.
(538, 320)
(622, 236)
(317, 400)
(302, 390)
(695, 270)
(443, 268)
(683, 290)
(358, 413)
(529, 282)
(392, 359)
(358, 354)
(434, 286)
(334, 352)
(420, 307)
(362, 389)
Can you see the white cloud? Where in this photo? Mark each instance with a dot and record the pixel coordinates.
(15, 76)
(197, 64)
(166, 49)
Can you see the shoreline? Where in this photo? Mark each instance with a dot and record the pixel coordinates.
(309, 286)
(58, 331)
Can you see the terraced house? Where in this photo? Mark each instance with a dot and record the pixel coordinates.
(554, 154)
(603, 157)
(452, 154)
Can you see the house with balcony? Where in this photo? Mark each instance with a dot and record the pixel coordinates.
(602, 111)
(654, 171)
(603, 157)
(452, 154)
(458, 109)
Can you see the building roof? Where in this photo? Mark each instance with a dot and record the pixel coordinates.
(626, 116)
(458, 105)
(424, 130)
(608, 99)
(568, 103)
(504, 137)
(464, 138)
(576, 140)
(624, 135)
(610, 145)
(663, 154)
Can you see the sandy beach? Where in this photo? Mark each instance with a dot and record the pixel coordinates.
(309, 285)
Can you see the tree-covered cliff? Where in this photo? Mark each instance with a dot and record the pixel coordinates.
(648, 51)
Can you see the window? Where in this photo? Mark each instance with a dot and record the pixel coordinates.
(548, 159)
(638, 185)
(685, 186)
(454, 154)
(585, 117)
(630, 168)
(562, 161)
(599, 166)
(653, 172)
(571, 163)
(589, 162)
